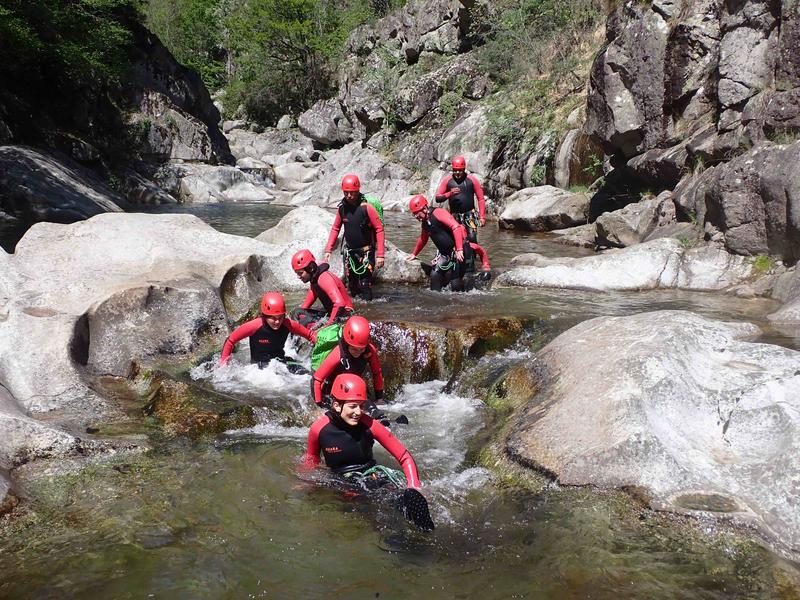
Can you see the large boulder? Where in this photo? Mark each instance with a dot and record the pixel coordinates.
(35, 186)
(754, 200)
(636, 222)
(687, 411)
(120, 289)
(544, 208)
(326, 123)
(661, 263)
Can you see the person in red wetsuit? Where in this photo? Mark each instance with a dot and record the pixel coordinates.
(454, 261)
(461, 190)
(345, 434)
(268, 334)
(325, 287)
(363, 248)
(353, 354)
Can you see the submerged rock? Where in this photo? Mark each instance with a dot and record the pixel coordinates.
(686, 409)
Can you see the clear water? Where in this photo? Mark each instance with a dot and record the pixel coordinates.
(232, 517)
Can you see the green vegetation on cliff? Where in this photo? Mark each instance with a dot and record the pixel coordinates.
(272, 57)
(538, 52)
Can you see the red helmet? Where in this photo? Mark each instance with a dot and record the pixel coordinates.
(417, 203)
(350, 183)
(349, 387)
(301, 259)
(356, 332)
(273, 305)
(459, 162)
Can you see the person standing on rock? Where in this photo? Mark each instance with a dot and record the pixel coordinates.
(461, 190)
(268, 333)
(325, 287)
(455, 259)
(363, 247)
(353, 354)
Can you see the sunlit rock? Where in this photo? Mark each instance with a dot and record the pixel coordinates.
(544, 208)
(105, 277)
(663, 263)
(686, 408)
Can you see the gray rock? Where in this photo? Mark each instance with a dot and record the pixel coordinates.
(544, 208)
(468, 137)
(660, 264)
(416, 97)
(285, 122)
(295, 176)
(687, 409)
(199, 183)
(35, 186)
(630, 225)
(626, 92)
(582, 236)
(273, 146)
(753, 200)
(44, 338)
(326, 123)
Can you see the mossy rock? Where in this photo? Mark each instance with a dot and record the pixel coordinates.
(414, 353)
(187, 410)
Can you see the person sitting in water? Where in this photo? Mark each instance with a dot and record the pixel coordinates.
(325, 286)
(352, 355)
(268, 333)
(454, 262)
(345, 434)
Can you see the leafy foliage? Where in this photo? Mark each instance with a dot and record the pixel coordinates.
(61, 61)
(531, 50)
(65, 42)
(193, 31)
(272, 56)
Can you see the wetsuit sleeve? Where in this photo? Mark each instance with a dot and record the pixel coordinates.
(298, 329)
(479, 194)
(482, 255)
(311, 457)
(421, 241)
(337, 226)
(377, 225)
(328, 285)
(396, 449)
(445, 218)
(308, 300)
(244, 330)
(441, 192)
(377, 374)
(323, 372)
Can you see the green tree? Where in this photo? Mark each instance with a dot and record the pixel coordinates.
(194, 31)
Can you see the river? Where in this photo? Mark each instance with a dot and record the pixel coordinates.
(231, 517)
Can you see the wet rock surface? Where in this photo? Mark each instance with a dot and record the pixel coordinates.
(691, 411)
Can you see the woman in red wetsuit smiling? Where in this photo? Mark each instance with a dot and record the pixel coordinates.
(345, 435)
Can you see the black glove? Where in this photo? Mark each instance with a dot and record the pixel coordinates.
(485, 275)
(376, 413)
